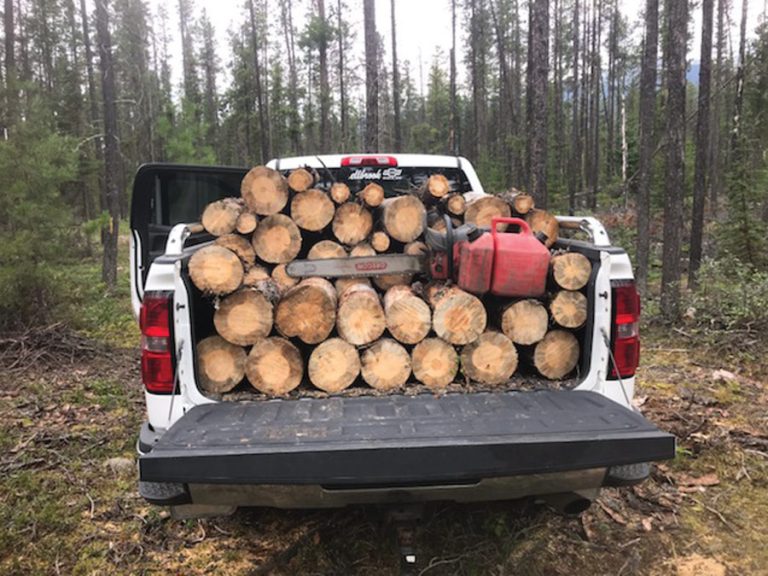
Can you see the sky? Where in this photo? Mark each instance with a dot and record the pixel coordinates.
(423, 26)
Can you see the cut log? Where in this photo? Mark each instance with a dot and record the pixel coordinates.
(244, 317)
(264, 190)
(362, 249)
(569, 309)
(334, 365)
(380, 241)
(525, 322)
(360, 318)
(386, 365)
(340, 192)
(415, 248)
(216, 270)
(342, 284)
(239, 246)
(434, 363)
(403, 217)
(274, 366)
(326, 249)
(387, 281)
(255, 275)
(220, 217)
(307, 311)
(282, 279)
(483, 209)
(247, 222)
(220, 364)
(409, 318)
(455, 204)
(571, 270)
(372, 195)
(458, 317)
(312, 210)
(352, 224)
(437, 186)
(542, 221)
(277, 240)
(436, 221)
(521, 202)
(556, 355)
(300, 179)
(491, 359)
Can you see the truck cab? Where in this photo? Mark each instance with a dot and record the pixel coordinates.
(530, 438)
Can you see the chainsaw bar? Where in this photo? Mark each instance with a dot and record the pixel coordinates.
(359, 266)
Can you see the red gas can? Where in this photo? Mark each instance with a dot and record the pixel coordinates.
(520, 261)
(473, 264)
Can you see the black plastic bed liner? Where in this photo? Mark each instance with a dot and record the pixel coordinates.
(402, 439)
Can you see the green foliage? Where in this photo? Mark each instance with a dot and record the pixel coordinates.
(186, 137)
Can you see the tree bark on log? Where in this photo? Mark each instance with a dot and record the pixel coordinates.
(481, 210)
(571, 270)
(455, 204)
(333, 365)
(543, 221)
(307, 311)
(247, 222)
(312, 210)
(435, 363)
(244, 317)
(521, 202)
(264, 190)
(340, 192)
(491, 359)
(362, 249)
(403, 217)
(360, 317)
(220, 364)
(372, 195)
(569, 309)
(458, 317)
(556, 355)
(277, 240)
(274, 366)
(326, 249)
(386, 365)
(216, 270)
(239, 246)
(300, 180)
(408, 317)
(221, 217)
(352, 224)
(525, 322)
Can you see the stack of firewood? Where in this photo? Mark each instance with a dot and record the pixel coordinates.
(276, 331)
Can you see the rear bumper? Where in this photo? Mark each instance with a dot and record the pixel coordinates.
(335, 451)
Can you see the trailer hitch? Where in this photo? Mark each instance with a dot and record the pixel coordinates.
(405, 520)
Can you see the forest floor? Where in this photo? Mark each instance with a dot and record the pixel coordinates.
(69, 503)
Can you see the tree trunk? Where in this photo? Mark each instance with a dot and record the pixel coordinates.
(525, 322)
(264, 190)
(647, 121)
(221, 217)
(574, 180)
(408, 317)
(386, 365)
(403, 217)
(352, 223)
(244, 317)
(480, 211)
(274, 366)
(220, 364)
(325, 89)
(307, 311)
(216, 270)
(312, 210)
(334, 365)
(571, 270)
(677, 35)
(538, 64)
(453, 143)
(11, 94)
(434, 363)
(491, 359)
(395, 83)
(240, 246)
(326, 249)
(277, 240)
(702, 168)
(371, 77)
(458, 317)
(569, 309)
(260, 96)
(360, 318)
(556, 355)
(110, 232)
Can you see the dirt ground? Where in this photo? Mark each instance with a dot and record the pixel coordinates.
(69, 504)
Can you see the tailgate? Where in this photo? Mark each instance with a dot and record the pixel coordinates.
(402, 439)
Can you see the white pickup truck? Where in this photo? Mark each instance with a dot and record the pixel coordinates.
(199, 455)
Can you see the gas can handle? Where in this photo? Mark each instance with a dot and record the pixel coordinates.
(524, 227)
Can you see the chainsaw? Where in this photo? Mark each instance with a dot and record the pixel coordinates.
(478, 260)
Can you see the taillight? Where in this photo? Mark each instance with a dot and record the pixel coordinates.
(625, 341)
(372, 160)
(157, 365)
